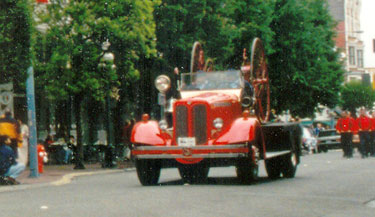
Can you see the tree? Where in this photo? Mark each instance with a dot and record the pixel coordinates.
(180, 23)
(15, 41)
(76, 31)
(355, 95)
(304, 69)
(246, 20)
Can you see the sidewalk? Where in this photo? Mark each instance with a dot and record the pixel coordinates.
(62, 174)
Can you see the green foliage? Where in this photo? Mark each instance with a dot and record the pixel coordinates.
(73, 42)
(180, 23)
(298, 36)
(246, 20)
(15, 40)
(355, 95)
(305, 69)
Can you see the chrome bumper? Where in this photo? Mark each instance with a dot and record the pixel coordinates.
(202, 151)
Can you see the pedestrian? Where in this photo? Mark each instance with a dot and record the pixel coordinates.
(9, 168)
(10, 128)
(372, 134)
(23, 148)
(364, 126)
(345, 127)
(73, 147)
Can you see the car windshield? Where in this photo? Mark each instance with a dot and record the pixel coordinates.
(231, 79)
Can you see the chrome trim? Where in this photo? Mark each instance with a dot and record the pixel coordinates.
(276, 153)
(170, 156)
(199, 147)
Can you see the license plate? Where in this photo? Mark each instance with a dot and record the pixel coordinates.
(186, 141)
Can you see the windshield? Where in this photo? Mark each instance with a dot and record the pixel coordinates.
(231, 79)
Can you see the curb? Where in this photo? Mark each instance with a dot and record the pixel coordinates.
(66, 179)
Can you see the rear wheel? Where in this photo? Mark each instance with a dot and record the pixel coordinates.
(273, 167)
(148, 171)
(194, 173)
(289, 165)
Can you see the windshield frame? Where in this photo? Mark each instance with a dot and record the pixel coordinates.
(208, 81)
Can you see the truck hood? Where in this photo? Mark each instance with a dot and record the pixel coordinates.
(212, 97)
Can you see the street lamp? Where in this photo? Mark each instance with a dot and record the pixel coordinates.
(106, 60)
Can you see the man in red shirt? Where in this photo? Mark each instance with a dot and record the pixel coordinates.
(364, 126)
(346, 126)
(372, 134)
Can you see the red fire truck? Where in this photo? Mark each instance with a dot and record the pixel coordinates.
(220, 119)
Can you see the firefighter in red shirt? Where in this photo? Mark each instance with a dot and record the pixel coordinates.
(372, 134)
(364, 126)
(346, 127)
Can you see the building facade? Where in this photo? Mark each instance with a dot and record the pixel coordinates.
(367, 23)
(347, 14)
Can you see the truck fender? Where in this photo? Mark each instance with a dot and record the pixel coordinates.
(241, 130)
(148, 133)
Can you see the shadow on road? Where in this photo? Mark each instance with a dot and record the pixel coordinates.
(222, 181)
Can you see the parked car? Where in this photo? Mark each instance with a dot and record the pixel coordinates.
(309, 141)
(328, 139)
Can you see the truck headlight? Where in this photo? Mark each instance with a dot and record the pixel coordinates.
(163, 124)
(218, 123)
(162, 83)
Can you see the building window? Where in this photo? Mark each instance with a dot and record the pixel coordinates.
(373, 45)
(351, 55)
(360, 58)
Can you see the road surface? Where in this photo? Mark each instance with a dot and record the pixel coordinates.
(326, 185)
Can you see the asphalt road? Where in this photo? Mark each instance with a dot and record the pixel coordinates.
(325, 185)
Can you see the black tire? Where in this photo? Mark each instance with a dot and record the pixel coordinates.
(148, 171)
(323, 148)
(247, 171)
(273, 167)
(194, 173)
(289, 165)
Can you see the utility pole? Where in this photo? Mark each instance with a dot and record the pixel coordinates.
(30, 94)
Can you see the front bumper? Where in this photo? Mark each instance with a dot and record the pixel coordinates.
(200, 151)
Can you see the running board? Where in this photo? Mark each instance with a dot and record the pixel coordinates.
(276, 154)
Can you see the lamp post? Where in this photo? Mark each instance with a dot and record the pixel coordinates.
(106, 63)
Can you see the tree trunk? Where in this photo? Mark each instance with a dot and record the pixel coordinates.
(77, 111)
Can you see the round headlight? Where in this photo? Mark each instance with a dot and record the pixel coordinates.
(218, 123)
(163, 125)
(162, 83)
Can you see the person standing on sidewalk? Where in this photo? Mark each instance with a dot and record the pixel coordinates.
(23, 149)
(364, 126)
(372, 134)
(345, 127)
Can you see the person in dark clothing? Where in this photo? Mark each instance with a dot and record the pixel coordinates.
(364, 126)
(345, 127)
(372, 134)
(9, 168)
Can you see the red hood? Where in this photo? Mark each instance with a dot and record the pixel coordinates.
(212, 97)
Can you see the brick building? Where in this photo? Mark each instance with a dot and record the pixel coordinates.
(348, 41)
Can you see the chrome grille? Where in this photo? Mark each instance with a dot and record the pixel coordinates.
(181, 121)
(200, 124)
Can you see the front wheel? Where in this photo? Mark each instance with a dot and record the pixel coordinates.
(194, 173)
(289, 166)
(148, 171)
(247, 171)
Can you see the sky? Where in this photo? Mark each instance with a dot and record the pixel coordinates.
(368, 28)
